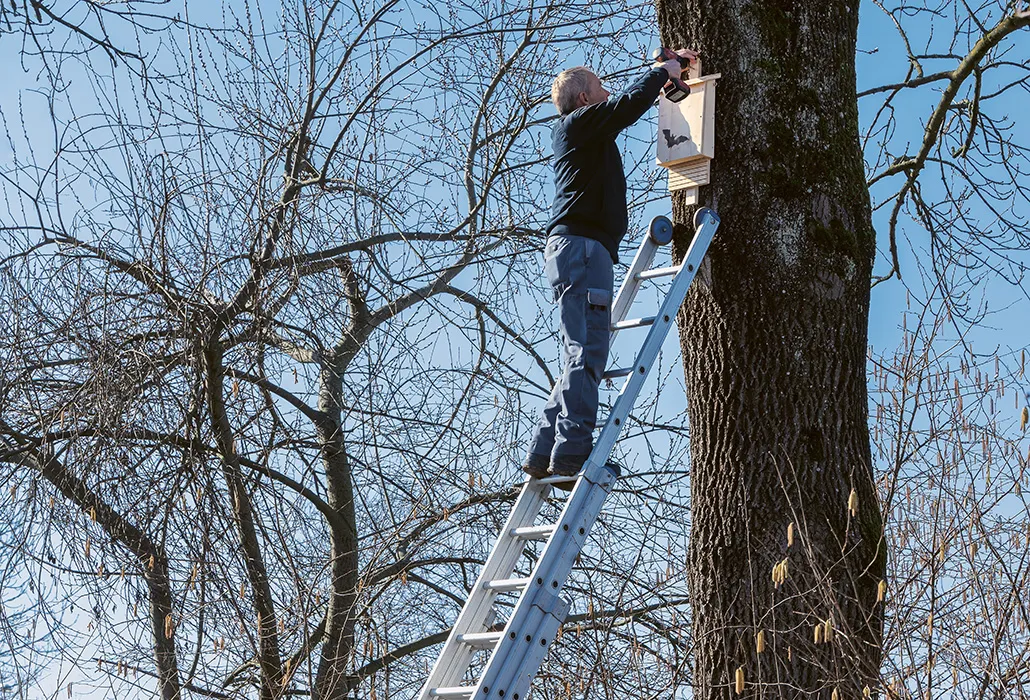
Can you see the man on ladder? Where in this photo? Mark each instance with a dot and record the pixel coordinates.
(588, 221)
(585, 232)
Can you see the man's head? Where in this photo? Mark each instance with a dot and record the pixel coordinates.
(575, 88)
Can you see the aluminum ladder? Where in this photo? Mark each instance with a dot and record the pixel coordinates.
(519, 648)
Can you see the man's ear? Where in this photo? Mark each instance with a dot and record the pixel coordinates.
(583, 99)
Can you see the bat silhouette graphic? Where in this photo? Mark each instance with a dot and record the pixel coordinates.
(673, 140)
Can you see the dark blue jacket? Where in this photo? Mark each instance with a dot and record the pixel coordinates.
(589, 184)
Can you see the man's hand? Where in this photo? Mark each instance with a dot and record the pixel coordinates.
(674, 67)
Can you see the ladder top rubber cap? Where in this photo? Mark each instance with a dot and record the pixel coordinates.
(700, 214)
(660, 230)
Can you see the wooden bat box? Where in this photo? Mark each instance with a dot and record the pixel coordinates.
(686, 134)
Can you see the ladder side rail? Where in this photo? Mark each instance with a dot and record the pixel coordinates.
(455, 657)
(519, 645)
(554, 568)
(516, 676)
(549, 575)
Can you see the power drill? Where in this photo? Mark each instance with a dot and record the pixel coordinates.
(676, 89)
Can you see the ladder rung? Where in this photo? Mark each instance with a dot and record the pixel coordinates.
(558, 479)
(658, 272)
(481, 640)
(615, 373)
(459, 691)
(633, 323)
(536, 532)
(506, 584)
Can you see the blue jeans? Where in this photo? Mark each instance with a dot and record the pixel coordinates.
(580, 273)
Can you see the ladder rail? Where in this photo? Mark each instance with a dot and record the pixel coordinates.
(508, 669)
(659, 233)
(666, 316)
(455, 657)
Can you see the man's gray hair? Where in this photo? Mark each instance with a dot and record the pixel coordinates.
(568, 85)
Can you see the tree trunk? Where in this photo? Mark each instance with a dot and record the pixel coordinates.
(268, 655)
(332, 681)
(774, 346)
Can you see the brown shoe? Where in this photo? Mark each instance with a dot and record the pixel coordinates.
(536, 465)
(567, 465)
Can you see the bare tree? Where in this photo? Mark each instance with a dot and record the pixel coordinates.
(950, 401)
(259, 351)
(272, 335)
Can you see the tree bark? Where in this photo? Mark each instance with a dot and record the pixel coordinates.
(774, 345)
(332, 681)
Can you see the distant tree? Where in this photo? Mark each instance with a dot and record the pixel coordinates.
(260, 270)
(272, 330)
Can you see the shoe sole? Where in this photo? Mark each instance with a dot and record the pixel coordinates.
(535, 472)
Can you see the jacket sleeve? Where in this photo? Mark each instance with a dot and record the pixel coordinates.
(606, 119)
